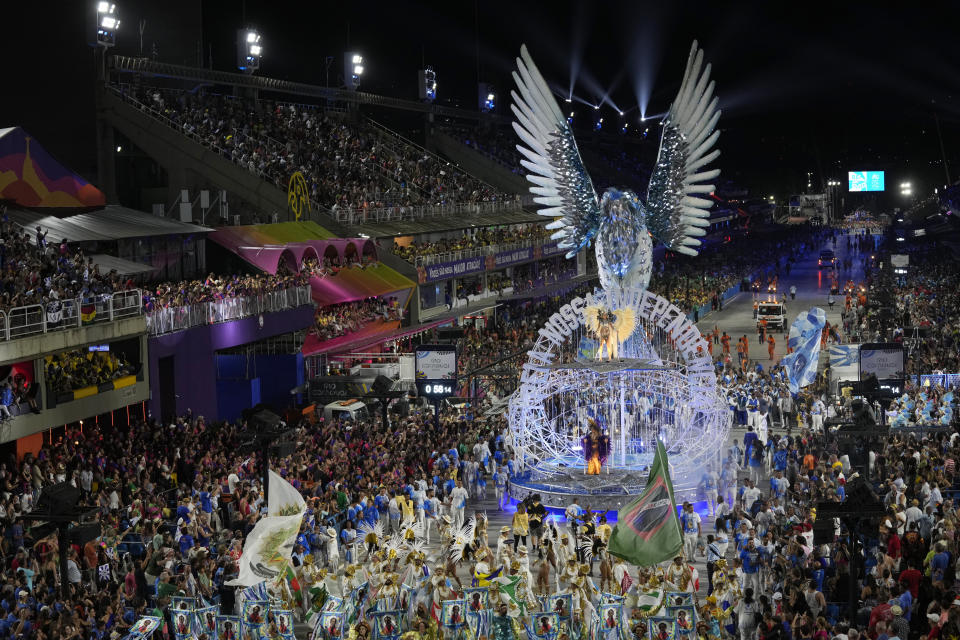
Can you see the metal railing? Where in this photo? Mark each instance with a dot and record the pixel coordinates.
(473, 252)
(170, 319)
(147, 67)
(393, 214)
(347, 216)
(35, 319)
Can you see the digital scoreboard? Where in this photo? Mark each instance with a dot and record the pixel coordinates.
(436, 370)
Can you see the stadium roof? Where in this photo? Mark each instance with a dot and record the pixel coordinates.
(122, 267)
(110, 223)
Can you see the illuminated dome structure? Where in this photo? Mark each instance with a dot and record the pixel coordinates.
(660, 386)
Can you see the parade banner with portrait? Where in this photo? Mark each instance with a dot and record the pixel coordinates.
(144, 627)
(452, 613)
(283, 618)
(684, 619)
(477, 598)
(561, 604)
(329, 626)
(229, 628)
(610, 621)
(546, 625)
(660, 628)
(182, 624)
(387, 624)
(206, 621)
(255, 616)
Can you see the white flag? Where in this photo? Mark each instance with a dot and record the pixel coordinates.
(270, 545)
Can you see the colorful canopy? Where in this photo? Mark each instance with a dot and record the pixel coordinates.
(31, 177)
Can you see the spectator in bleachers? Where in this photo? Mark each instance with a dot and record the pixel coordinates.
(347, 165)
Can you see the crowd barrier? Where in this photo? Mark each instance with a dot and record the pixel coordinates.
(74, 313)
(932, 379)
(170, 319)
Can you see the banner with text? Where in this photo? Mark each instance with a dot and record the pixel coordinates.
(507, 258)
(454, 269)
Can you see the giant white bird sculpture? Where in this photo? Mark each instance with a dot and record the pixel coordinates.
(620, 223)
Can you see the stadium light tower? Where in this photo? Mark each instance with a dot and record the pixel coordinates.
(249, 50)
(108, 23)
(352, 70)
(428, 84)
(486, 97)
(906, 189)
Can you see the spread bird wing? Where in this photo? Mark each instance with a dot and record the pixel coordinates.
(591, 317)
(371, 533)
(559, 181)
(625, 324)
(675, 213)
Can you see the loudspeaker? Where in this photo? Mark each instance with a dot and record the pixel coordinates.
(84, 533)
(382, 384)
(863, 414)
(266, 421)
(450, 333)
(823, 531)
(58, 498)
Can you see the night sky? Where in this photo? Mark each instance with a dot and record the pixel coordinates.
(822, 88)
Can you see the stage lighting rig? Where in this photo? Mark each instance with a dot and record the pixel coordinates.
(107, 24)
(487, 97)
(428, 84)
(352, 69)
(249, 50)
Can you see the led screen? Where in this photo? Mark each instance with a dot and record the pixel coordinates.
(865, 180)
(436, 363)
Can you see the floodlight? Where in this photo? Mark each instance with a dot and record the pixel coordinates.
(106, 24)
(249, 50)
(596, 107)
(621, 114)
(353, 68)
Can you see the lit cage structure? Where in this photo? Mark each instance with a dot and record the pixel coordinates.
(650, 391)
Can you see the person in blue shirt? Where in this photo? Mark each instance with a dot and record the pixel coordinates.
(748, 439)
(186, 541)
(348, 535)
(938, 564)
(752, 561)
(780, 459)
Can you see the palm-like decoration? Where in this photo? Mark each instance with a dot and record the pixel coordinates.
(619, 223)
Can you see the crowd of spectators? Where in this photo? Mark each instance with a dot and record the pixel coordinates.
(497, 143)
(347, 164)
(175, 502)
(72, 370)
(473, 238)
(37, 270)
(920, 309)
(336, 320)
(789, 585)
(691, 282)
(215, 288)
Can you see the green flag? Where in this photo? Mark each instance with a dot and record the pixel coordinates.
(648, 530)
